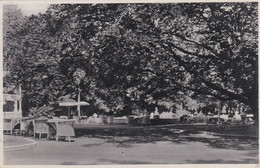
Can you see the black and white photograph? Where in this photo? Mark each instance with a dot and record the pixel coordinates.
(157, 83)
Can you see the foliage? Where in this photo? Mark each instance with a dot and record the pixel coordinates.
(12, 19)
(127, 58)
(38, 112)
(35, 65)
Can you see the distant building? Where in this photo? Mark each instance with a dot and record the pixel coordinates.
(12, 103)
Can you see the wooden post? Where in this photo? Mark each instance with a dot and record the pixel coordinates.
(15, 106)
(11, 126)
(57, 130)
(69, 112)
(219, 111)
(20, 101)
(78, 102)
(33, 129)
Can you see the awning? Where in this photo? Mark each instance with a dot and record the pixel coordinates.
(71, 102)
(67, 102)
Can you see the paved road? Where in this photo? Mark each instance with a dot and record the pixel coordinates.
(153, 146)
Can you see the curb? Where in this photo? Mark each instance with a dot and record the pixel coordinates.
(21, 147)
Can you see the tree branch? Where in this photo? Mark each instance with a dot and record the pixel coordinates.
(191, 53)
(211, 85)
(198, 44)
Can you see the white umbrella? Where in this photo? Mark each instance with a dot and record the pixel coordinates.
(71, 102)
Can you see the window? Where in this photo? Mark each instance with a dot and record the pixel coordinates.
(9, 106)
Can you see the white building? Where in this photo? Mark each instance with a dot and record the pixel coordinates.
(12, 105)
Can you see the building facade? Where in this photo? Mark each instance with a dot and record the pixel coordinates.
(12, 105)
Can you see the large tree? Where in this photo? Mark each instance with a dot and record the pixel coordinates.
(134, 55)
(34, 63)
(217, 47)
(12, 19)
(210, 48)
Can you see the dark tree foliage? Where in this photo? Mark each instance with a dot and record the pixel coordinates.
(12, 18)
(125, 57)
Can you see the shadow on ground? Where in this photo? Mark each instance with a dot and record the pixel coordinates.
(92, 145)
(122, 161)
(128, 136)
(220, 161)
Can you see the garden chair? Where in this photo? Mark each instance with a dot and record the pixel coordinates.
(52, 132)
(8, 126)
(18, 126)
(145, 120)
(212, 124)
(63, 117)
(16, 132)
(41, 127)
(24, 125)
(65, 130)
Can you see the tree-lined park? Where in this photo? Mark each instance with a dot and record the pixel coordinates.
(131, 58)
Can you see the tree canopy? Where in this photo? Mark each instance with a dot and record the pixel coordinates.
(130, 57)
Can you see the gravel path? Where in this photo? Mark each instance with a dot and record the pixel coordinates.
(147, 146)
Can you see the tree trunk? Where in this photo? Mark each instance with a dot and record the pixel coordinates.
(256, 119)
(254, 110)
